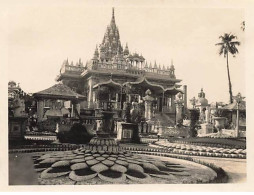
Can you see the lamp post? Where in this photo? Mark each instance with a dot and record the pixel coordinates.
(238, 99)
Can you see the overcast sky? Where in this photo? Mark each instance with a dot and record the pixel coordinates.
(41, 37)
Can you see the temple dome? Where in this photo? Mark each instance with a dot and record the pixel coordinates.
(202, 101)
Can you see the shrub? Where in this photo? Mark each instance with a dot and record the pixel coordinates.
(78, 134)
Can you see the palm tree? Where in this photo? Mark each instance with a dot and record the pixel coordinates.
(228, 45)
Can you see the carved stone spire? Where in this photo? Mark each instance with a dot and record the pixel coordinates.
(126, 50)
(113, 16)
(96, 53)
(111, 43)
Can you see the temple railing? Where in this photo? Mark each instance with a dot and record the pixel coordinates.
(99, 105)
(72, 69)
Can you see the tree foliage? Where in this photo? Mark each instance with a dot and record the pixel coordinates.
(228, 45)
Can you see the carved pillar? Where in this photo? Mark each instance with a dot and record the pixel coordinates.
(207, 114)
(90, 93)
(116, 106)
(40, 106)
(78, 108)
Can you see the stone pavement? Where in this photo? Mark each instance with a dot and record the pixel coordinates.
(235, 168)
(21, 170)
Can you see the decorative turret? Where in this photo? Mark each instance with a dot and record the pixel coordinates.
(155, 67)
(172, 70)
(96, 53)
(126, 50)
(79, 63)
(201, 94)
(150, 67)
(66, 62)
(142, 59)
(146, 65)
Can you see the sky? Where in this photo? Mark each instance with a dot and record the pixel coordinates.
(41, 37)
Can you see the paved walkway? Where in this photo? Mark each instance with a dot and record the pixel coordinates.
(21, 170)
(235, 168)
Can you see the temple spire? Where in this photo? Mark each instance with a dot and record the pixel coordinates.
(113, 16)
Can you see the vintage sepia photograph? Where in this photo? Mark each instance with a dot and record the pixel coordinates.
(119, 93)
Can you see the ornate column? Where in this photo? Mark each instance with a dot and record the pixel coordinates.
(90, 93)
(116, 106)
(238, 99)
(40, 106)
(148, 105)
(207, 114)
(179, 108)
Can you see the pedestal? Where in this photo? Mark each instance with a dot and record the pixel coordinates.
(148, 110)
(127, 132)
(206, 128)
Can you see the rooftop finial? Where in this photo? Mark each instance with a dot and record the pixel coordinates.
(113, 12)
(171, 61)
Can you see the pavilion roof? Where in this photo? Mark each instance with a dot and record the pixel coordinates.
(145, 83)
(59, 91)
(233, 106)
(109, 83)
(173, 90)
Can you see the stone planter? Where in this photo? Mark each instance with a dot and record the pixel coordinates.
(219, 123)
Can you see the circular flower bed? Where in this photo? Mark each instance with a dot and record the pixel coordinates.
(84, 165)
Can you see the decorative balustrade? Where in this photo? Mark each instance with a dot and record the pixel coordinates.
(132, 69)
(99, 105)
(72, 69)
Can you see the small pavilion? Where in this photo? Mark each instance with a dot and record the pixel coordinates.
(51, 101)
(230, 111)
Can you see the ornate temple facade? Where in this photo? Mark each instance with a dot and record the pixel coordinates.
(128, 74)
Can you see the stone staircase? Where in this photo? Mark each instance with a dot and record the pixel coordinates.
(165, 119)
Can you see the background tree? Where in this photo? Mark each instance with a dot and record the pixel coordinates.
(228, 45)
